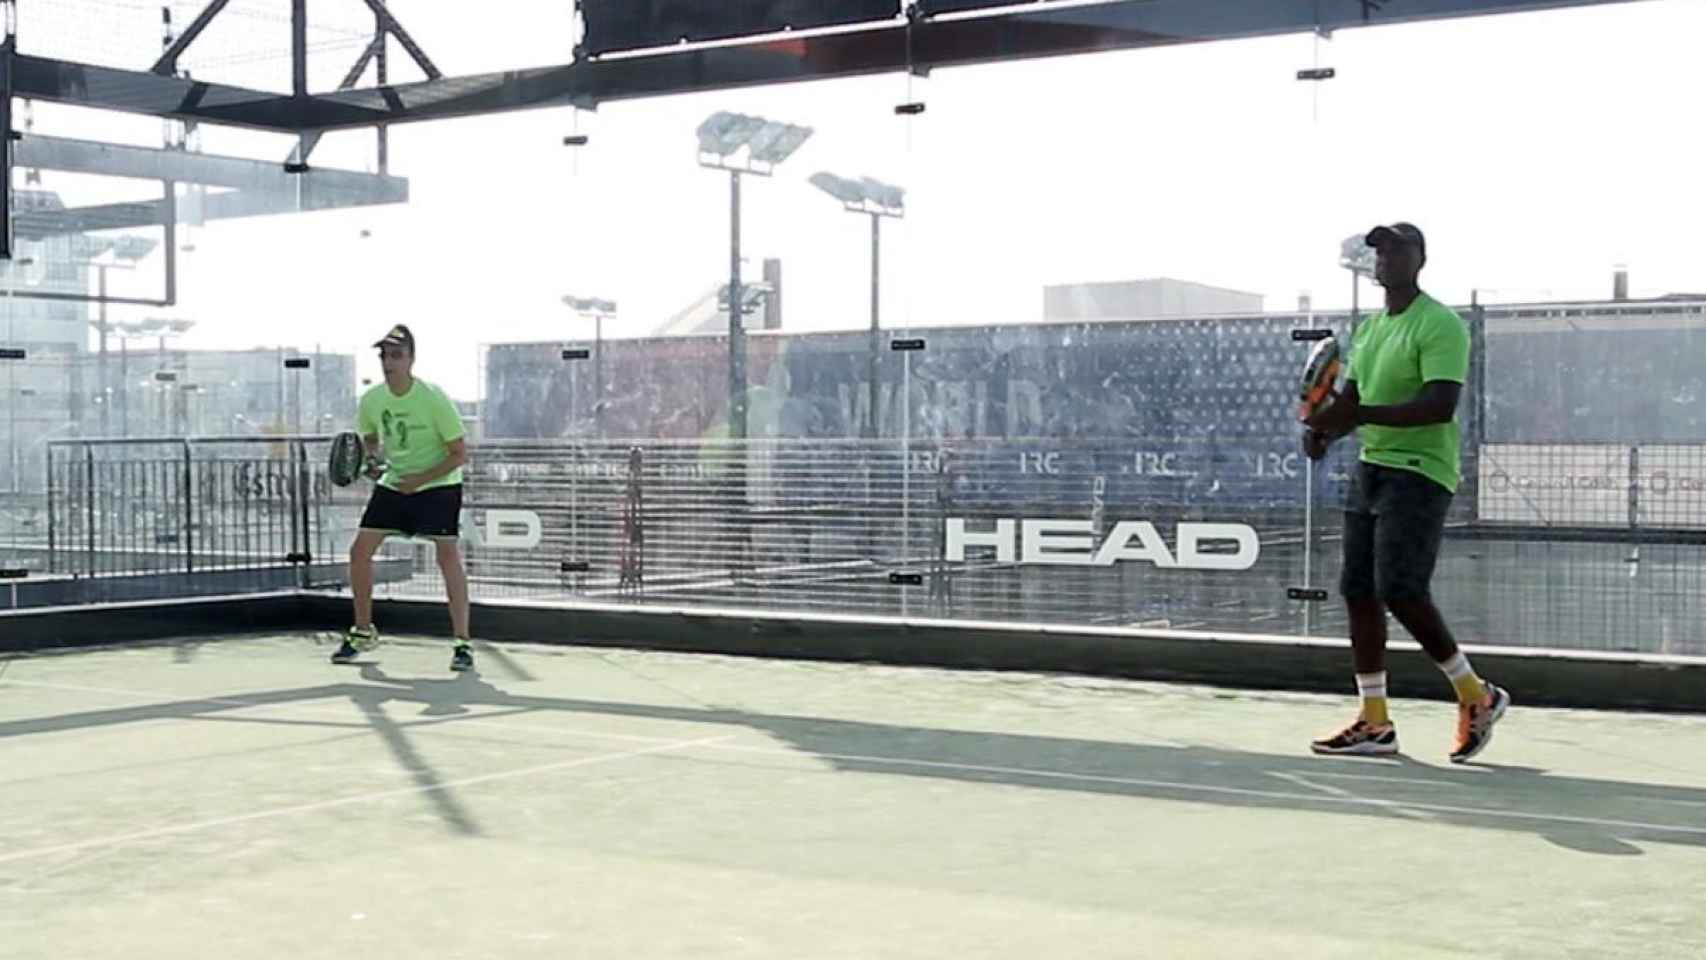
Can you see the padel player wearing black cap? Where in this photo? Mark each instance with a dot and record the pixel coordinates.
(418, 495)
(1406, 370)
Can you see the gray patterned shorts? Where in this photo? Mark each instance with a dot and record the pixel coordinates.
(1394, 521)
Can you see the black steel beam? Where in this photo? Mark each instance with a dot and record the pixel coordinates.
(305, 149)
(389, 23)
(7, 57)
(177, 98)
(250, 187)
(299, 47)
(168, 62)
(152, 163)
(227, 205)
(1041, 31)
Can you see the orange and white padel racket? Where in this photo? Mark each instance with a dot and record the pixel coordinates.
(1319, 375)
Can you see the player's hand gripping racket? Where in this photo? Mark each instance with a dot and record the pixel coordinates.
(350, 459)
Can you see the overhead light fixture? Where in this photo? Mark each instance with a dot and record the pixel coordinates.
(767, 142)
(885, 195)
(590, 305)
(864, 195)
(131, 247)
(776, 142)
(847, 191)
(724, 133)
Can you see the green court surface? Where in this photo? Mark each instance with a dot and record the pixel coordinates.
(244, 798)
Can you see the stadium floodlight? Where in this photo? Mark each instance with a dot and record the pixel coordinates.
(864, 195)
(743, 144)
(598, 309)
(133, 248)
(766, 143)
(724, 133)
(776, 142)
(590, 306)
(1356, 255)
(886, 196)
(847, 191)
(877, 200)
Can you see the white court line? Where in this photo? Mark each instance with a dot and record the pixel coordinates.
(359, 798)
(1369, 776)
(1333, 791)
(1177, 786)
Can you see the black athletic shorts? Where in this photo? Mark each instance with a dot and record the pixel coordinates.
(436, 512)
(1394, 521)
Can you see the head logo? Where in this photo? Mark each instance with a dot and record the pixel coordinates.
(503, 530)
(1072, 543)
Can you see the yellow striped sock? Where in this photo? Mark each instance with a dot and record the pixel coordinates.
(1372, 687)
(1374, 711)
(1469, 687)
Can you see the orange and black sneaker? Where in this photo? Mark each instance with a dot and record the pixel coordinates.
(1360, 739)
(1475, 723)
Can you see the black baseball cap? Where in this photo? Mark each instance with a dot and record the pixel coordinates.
(398, 336)
(1398, 233)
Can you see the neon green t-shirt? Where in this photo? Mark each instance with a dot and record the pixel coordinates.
(415, 430)
(1391, 357)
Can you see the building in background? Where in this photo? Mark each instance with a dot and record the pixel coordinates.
(1144, 300)
(62, 393)
(82, 376)
(761, 305)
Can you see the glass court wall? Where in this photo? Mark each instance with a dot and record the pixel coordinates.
(1014, 342)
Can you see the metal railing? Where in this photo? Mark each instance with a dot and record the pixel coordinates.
(156, 505)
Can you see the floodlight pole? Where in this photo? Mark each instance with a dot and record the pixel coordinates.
(106, 373)
(597, 309)
(875, 200)
(598, 373)
(1356, 289)
(1353, 256)
(737, 326)
(876, 346)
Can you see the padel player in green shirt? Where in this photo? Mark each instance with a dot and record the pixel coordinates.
(1406, 371)
(419, 493)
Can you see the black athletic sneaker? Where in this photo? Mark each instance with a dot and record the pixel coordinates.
(463, 658)
(356, 642)
(1360, 739)
(1475, 723)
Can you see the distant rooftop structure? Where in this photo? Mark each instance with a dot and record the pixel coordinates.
(1144, 300)
(708, 314)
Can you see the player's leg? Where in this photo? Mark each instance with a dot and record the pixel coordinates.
(1406, 553)
(438, 514)
(456, 593)
(361, 553)
(361, 635)
(1372, 731)
(384, 516)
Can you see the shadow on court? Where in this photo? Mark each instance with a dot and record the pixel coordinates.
(1597, 816)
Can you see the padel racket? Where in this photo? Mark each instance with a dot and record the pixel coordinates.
(1319, 375)
(349, 458)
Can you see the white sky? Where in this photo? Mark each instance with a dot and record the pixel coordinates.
(1536, 150)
